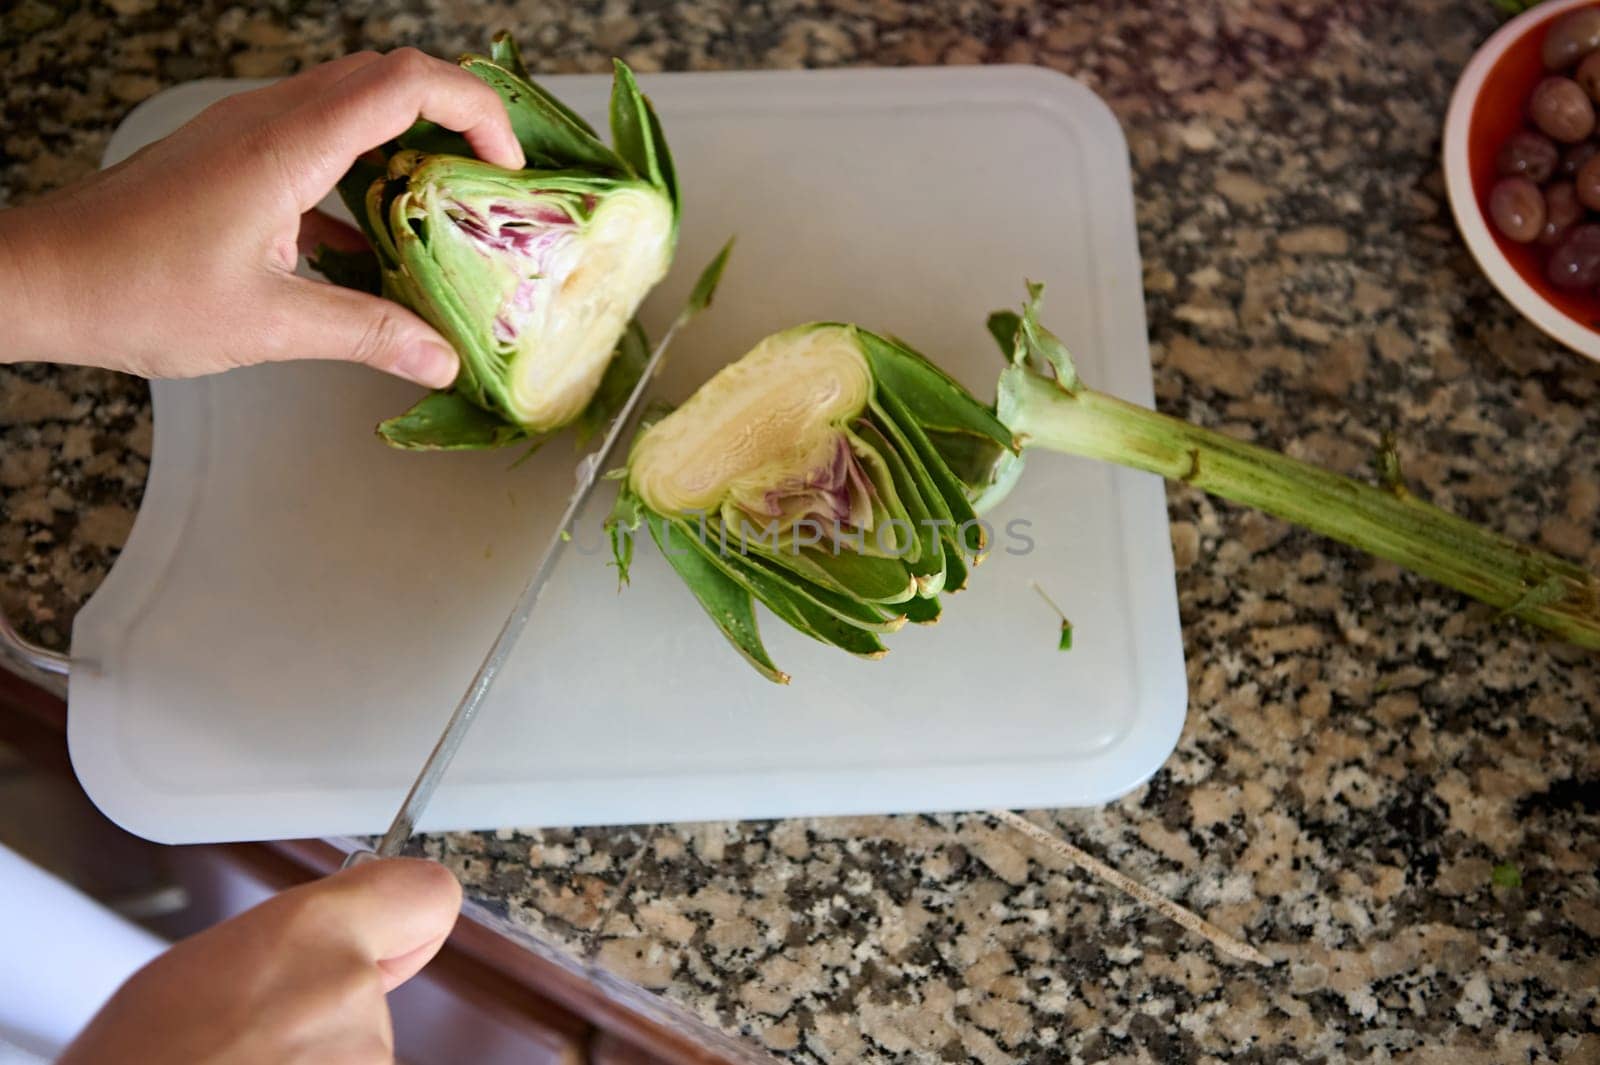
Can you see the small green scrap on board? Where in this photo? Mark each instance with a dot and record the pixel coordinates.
(1065, 643)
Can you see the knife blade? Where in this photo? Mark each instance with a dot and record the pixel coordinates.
(587, 477)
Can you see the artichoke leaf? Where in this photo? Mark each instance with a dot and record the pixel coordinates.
(353, 187)
(504, 51)
(928, 493)
(637, 133)
(705, 286)
(449, 421)
(857, 612)
(968, 532)
(796, 611)
(622, 525)
(876, 580)
(420, 281)
(658, 137)
(552, 137)
(434, 139)
(729, 605)
(380, 196)
(946, 522)
(988, 490)
(871, 578)
(924, 611)
(1039, 347)
(893, 529)
(1005, 326)
(975, 445)
(926, 563)
(886, 586)
(987, 470)
(955, 565)
(934, 398)
(356, 269)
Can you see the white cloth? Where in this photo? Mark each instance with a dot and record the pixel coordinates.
(61, 956)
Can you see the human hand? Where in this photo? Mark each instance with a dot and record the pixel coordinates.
(180, 260)
(300, 978)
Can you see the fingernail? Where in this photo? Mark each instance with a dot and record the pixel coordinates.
(428, 362)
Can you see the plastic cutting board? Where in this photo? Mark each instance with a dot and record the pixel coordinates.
(298, 608)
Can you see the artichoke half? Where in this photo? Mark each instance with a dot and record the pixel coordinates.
(811, 475)
(836, 476)
(532, 275)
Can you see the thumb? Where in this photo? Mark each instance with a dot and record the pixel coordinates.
(330, 322)
(394, 913)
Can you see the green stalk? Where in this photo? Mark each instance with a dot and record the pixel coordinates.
(1385, 520)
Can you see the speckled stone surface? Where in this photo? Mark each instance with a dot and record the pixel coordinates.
(1391, 795)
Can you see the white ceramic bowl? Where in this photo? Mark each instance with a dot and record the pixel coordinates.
(1495, 82)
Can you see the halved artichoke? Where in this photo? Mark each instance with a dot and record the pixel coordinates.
(807, 475)
(835, 475)
(533, 275)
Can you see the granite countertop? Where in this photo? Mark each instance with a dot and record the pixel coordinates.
(1390, 794)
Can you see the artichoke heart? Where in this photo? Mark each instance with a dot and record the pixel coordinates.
(809, 475)
(593, 290)
(765, 435)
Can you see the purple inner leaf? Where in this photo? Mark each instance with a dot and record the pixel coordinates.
(838, 495)
(529, 234)
(525, 229)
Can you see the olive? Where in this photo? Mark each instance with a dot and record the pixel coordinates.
(1562, 109)
(1562, 211)
(1588, 75)
(1573, 158)
(1528, 153)
(1517, 207)
(1587, 184)
(1571, 37)
(1576, 261)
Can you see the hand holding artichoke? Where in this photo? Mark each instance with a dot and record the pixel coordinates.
(533, 275)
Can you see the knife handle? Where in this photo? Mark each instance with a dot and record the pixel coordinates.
(358, 857)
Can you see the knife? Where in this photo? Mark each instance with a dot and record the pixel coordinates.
(588, 476)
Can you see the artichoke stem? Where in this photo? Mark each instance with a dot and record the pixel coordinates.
(1522, 582)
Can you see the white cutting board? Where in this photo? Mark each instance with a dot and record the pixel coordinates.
(298, 608)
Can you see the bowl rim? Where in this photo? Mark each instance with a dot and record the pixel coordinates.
(1464, 202)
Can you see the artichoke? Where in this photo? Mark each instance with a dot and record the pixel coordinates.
(532, 275)
(812, 475)
(837, 476)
